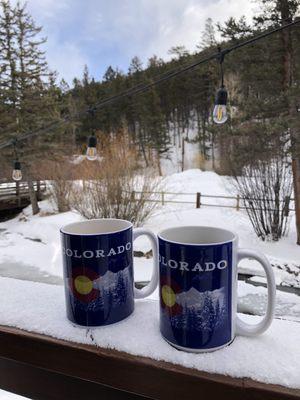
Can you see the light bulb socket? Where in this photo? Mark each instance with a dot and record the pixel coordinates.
(92, 141)
(17, 165)
(221, 96)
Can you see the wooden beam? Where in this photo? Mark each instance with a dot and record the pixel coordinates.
(41, 384)
(52, 368)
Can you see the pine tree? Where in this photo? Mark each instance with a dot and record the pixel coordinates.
(8, 69)
(234, 29)
(217, 313)
(29, 99)
(179, 52)
(208, 35)
(121, 289)
(274, 13)
(153, 125)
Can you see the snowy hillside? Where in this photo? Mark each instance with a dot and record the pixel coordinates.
(173, 163)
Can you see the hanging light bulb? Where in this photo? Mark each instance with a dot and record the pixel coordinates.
(17, 172)
(91, 152)
(220, 114)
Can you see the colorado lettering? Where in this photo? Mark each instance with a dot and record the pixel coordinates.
(98, 253)
(185, 266)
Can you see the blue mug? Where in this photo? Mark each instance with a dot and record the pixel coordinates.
(98, 270)
(198, 288)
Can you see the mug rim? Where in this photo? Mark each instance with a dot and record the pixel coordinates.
(72, 224)
(234, 236)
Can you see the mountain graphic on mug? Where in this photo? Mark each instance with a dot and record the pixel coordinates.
(199, 311)
(93, 290)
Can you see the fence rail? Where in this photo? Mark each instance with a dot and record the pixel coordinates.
(18, 188)
(16, 194)
(198, 197)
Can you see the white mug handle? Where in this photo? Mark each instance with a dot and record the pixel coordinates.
(242, 328)
(152, 285)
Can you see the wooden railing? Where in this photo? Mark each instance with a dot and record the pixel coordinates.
(16, 194)
(44, 368)
(163, 198)
(19, 188)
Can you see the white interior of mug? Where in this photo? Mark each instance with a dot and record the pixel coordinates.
(197, 235)
(96, 227)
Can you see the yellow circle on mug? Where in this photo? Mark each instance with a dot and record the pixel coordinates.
(168, 296)
(83, 284)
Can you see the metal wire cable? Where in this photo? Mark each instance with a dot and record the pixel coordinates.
(140, 88)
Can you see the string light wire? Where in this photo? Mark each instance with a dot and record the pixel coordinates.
(140, 88)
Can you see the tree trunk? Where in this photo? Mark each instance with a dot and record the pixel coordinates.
(38, 189)
(286, 35)
(296, 176)
(142, 147)
(32, 196)
(144, 154)
(159, 164)
(295, 144)
(213, 154)
(182, 154)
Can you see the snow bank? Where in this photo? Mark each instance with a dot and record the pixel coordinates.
(195, 180)
(273, 357)
(35, 240)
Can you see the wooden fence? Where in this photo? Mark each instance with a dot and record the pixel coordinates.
(16, 188)
(19, 190)
(16, 194)
(200, 200)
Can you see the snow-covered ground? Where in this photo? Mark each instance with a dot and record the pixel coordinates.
(30, 245)
(34, 240)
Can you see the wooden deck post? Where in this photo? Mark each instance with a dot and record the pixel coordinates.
(38, 189)
(182, 154)
(18, 194)
(238, 202)
(198, 200)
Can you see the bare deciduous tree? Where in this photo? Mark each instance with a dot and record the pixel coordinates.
(266, 188)
(60, 174)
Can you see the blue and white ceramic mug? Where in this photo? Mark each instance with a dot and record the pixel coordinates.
(198, 288)
(98, 270)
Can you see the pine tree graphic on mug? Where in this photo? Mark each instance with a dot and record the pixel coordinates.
(201, 311)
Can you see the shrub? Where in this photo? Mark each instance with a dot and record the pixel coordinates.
(115, 187)
(266, 189)
(59, 174)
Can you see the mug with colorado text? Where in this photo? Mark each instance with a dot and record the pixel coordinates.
(98, 270)
(198, 288)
